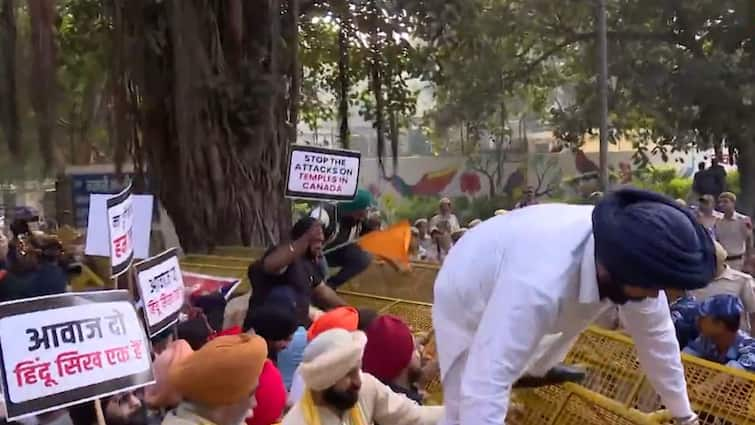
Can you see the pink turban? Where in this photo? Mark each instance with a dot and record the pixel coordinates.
(162, 394)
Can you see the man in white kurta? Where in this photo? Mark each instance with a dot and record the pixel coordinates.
(517, 290)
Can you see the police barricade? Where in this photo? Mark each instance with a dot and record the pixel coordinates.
(379, 279)
(219, 260)
(721, 395)
(615, 391)
(239, 251)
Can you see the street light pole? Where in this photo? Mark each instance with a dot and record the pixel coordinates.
(603, 90)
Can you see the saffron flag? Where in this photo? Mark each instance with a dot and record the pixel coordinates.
(391, 243)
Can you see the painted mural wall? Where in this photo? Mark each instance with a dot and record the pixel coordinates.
(455, 176)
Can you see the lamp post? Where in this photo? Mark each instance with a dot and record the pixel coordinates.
(603, 91)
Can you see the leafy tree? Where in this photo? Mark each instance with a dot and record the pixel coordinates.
(684, 75)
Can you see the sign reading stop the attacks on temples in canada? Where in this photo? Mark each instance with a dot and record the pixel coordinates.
(64, 349)
(318, 173)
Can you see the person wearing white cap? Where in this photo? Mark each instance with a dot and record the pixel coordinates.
(445, 214)
(338, 392)
(425, 240)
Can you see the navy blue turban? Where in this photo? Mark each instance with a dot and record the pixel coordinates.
(645, 239)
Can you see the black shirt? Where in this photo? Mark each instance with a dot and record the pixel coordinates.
(411, 393)
(341, 229)
(296, 282)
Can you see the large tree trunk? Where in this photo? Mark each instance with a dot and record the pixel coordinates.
(213, 114)
(9, 120)
(42, 78)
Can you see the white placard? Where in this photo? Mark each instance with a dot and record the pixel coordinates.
(120, 220)
(97, 242)
(318, 173)
(62, 349)
(161, 288)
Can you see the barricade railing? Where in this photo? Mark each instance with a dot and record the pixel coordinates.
(721, 395)
(615, 391)
(379, 278)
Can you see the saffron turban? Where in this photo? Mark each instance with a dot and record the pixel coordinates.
(645, 239)
(338, 318)
(223, 372)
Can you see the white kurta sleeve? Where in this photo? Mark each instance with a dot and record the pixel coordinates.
(397, 409)
(516, 318)
(649, 323)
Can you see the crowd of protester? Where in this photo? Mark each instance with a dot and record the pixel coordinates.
(432, 239)
(296, 353)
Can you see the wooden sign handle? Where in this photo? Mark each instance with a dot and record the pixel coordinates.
(99, 411)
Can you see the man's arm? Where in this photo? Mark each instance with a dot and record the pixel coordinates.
(284, 254)
(748, 243)
(649, 323)
(512, 325)
(325, 297)
(747, 295)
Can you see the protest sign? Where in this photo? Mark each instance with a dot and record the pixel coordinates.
(318, 173)
(198, 285)
(120, 220)
(61, 350)
(161, 289)
(98, 237)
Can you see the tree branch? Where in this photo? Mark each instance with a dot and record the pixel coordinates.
(579, 37)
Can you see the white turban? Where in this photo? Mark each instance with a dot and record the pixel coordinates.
(330, 357)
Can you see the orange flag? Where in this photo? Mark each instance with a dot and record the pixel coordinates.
(391, 243)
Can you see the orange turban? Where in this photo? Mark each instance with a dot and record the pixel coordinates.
(162, 394)
(221, 373)
(338, 318)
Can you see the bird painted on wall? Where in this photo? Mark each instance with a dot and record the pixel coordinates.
(583, 163)
(430, 184)
(515, 180)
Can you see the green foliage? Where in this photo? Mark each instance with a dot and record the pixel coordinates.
(385, 46)
(465, 209)
(415, 207)
(664, 180)
(733, 182)
(482, 207)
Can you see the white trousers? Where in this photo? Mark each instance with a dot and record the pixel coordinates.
(452, 391)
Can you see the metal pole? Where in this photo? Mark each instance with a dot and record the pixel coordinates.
(603, 90)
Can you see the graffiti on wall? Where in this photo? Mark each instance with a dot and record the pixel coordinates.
(430, 184)
(563, 175)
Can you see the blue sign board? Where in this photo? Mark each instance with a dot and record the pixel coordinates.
(83, 185)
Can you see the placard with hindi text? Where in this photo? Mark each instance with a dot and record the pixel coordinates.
(120, 215)
(161, 289)
(60, 350)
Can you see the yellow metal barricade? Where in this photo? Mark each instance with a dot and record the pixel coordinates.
(218, 260)
(721, 395)
(239, 251)
(615, 391)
